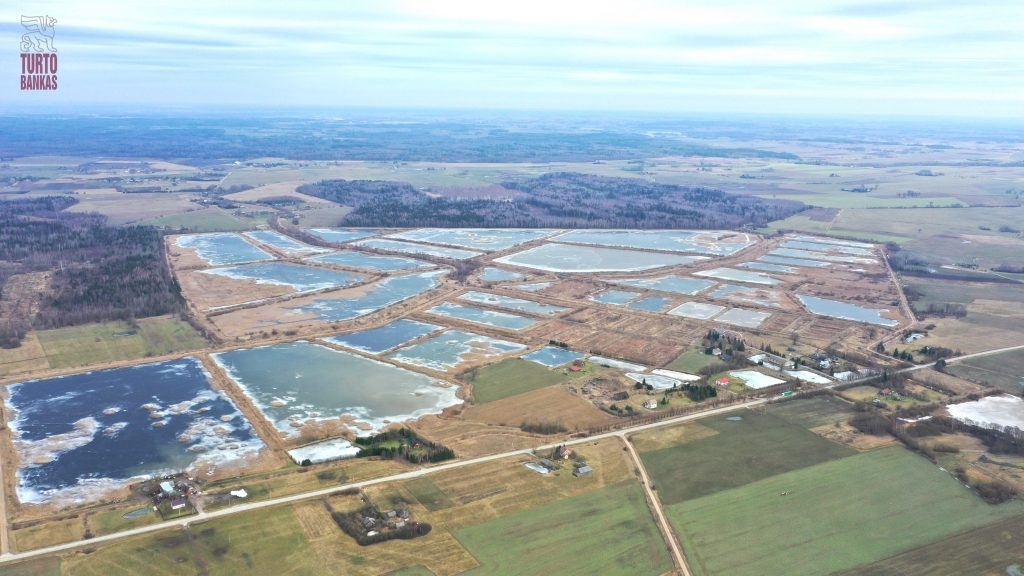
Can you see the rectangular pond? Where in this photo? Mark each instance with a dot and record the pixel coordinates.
(384, 338)
(482, 316)
(485, 240)
(834, 242)
(672, 283)
(341, 235)
(552, 356)
(799, 262)
(740, 276)
(80, 436)
(286, 244)
(509, 303)
(301, 278)
(368, 262)
(718, 243)
(742, 317)
(617, 297)
(756, 380)
(1003, 411)
(765, 266)
(844, 311)
(617, 364)
(697, 310)
(300, 383)
(222, 248)
(387, 292)
(827, 257)
(823, 247)
(534, 287)
(491, 274)
(568, 258)
(410, 248)
(651, 304)
(447, 351)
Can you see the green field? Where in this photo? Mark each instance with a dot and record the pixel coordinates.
(269, 542)
(511, 377)
(692, 361)
(608, 531)
(210, 219)
(939, 291)
(1004, 371)
(837, 515)
(991, 549)
(41, 567)
(112, 341)
(744, 451)
(813, 412)
(412, 571)
(429, 494)
(910, 223)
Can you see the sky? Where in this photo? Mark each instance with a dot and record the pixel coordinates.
(823, 57)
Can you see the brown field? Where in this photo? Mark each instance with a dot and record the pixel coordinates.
(989, 324)
(848, 435)
(206, 291)
(667, 436)
(142, 206)
(276, 190)
(27, 358)
(551, 404)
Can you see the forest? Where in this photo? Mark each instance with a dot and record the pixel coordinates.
(211, 140)
(555, 200)
(98, 272)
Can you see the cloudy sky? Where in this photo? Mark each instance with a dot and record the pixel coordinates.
(879, 57)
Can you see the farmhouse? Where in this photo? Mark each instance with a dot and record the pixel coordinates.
(772, 361)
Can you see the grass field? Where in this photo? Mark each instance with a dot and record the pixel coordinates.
(691, 361)
(211, 219)
(1004, 371)
(48, 534)
(813, 412)
(743, 451)
(28, 357)
(837, 515)
(428, 494)
(411, 571)
(42, 567)
(991, 549)
(268, 542)
(608, 531)
(511, 377)
(112, 341)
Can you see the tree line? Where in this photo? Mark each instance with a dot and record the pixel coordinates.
(99, 272)
(555, 200)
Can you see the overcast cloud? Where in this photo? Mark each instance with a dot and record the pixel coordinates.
(928, 57)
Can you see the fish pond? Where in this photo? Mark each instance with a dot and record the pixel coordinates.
(223, 248)
(671, 283)
(617, 297)
(845, 311)
(517, 304)
(340, 235)
(491, 274)
(568, 258)
(284, 243)
(482, 316)
(410, 248)
(295, 383)
(484, 240)
(299, 277)
(719, 243)
(384, 338)
(80, 436)
(552, 356)
(368, 262)
(447, 351)
(740, 276)
(385, 293)
(651, 304)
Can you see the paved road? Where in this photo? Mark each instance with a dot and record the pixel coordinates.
(249, 506)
